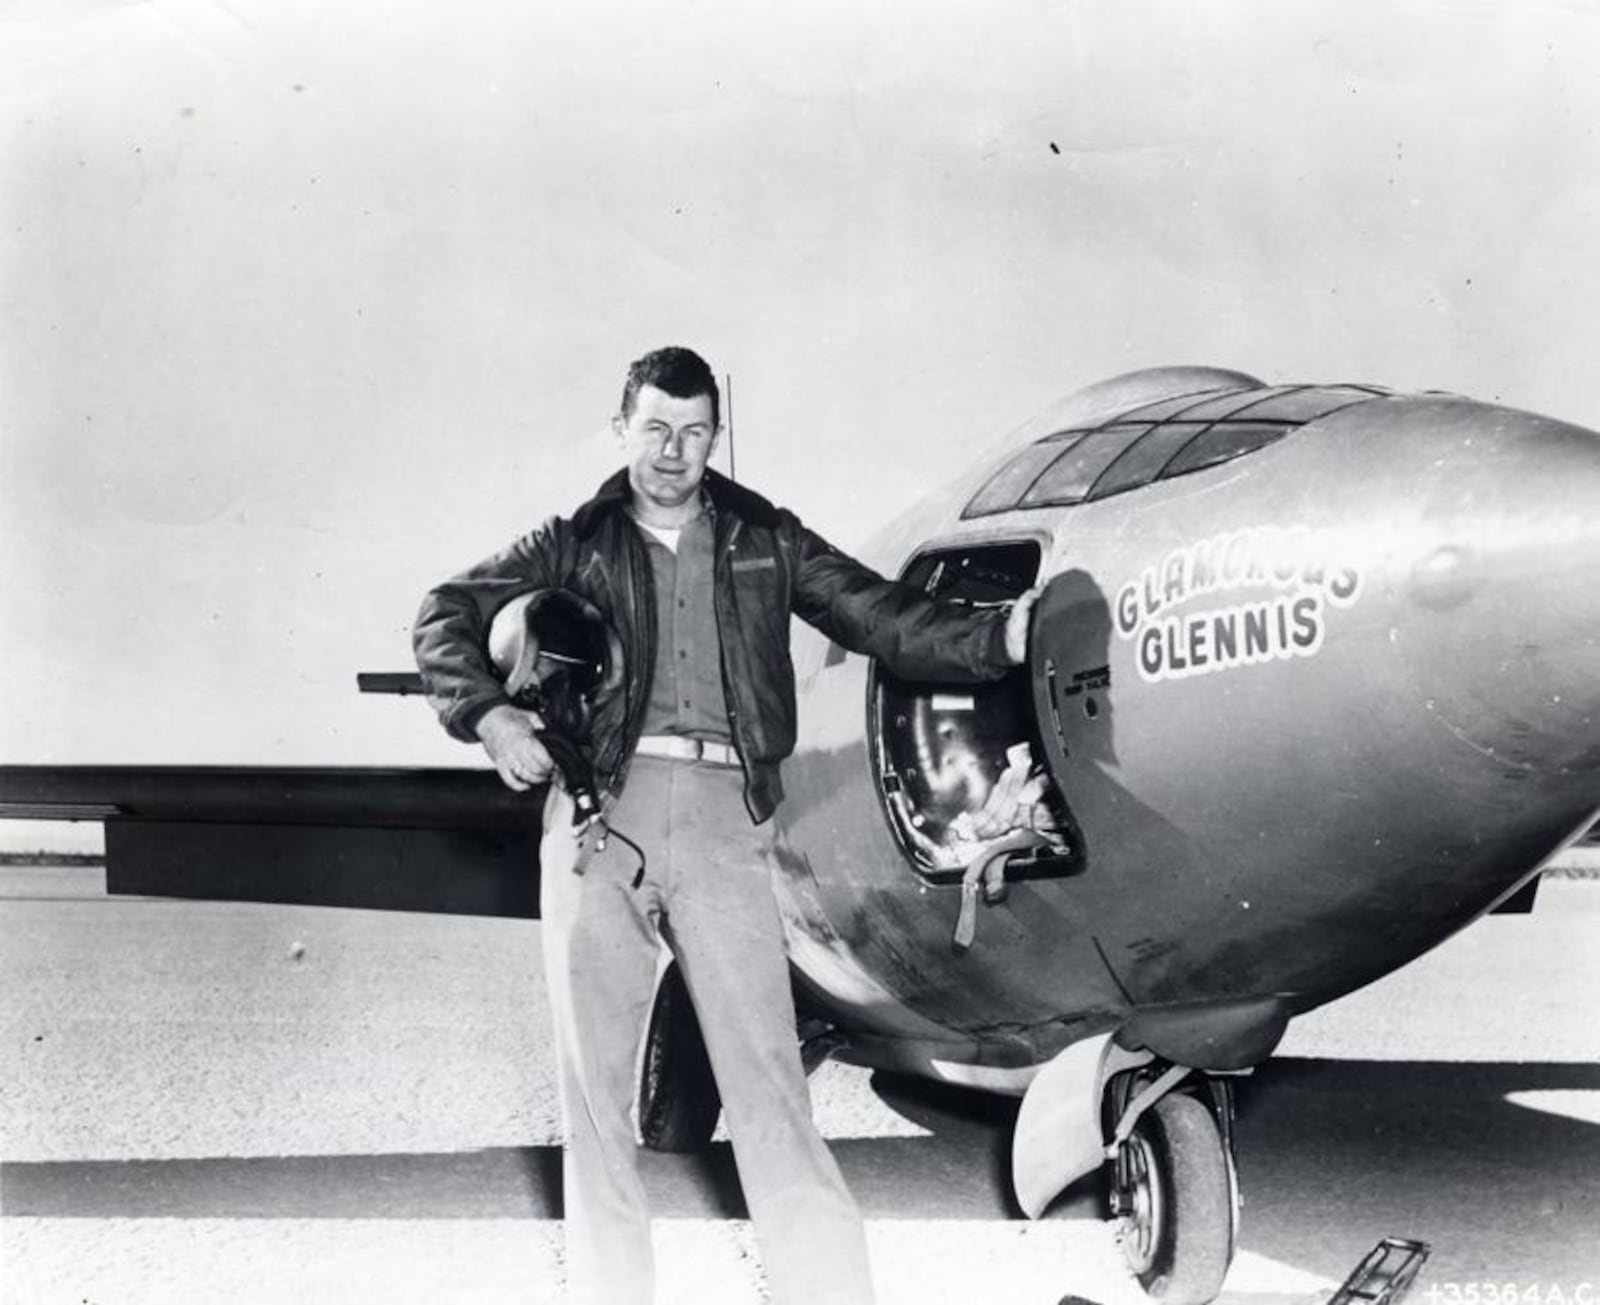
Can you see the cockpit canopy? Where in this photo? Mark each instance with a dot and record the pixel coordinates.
(1171, 436)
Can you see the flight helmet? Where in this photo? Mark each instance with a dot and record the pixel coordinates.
(556, 654)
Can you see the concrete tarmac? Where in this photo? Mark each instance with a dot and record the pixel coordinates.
(215, 1102)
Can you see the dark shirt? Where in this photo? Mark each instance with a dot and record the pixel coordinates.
(686, 694)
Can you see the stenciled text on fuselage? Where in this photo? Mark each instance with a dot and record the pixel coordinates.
(1297, 562)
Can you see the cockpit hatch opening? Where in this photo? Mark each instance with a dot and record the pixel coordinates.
(950, 756)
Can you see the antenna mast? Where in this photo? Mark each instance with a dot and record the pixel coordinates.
(727, 419)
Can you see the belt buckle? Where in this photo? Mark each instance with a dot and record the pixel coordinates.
(682, 747)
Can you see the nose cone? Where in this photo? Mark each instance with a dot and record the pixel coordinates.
(1495, 599)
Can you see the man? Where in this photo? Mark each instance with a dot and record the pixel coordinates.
(699, 577)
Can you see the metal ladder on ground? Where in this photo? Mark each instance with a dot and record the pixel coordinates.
(1384, 1275)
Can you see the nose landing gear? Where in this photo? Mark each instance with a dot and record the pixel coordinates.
(1175, 1200)
(1161, 1133)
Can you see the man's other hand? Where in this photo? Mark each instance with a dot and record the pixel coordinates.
(1017, 626)
(508, 736)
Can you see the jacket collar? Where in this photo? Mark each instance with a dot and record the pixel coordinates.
(727, 498)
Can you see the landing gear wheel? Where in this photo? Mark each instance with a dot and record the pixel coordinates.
(1171, 1189)
(678, 1098)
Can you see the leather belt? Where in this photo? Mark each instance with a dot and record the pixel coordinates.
(679, 747)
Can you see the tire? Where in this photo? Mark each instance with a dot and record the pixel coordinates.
(678, 1099)
(1175, 1199)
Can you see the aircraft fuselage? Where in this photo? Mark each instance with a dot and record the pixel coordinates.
(1311, 709)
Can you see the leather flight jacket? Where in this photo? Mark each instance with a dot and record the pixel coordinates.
(767, 566)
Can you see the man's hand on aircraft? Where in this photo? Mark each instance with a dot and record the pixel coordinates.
(1017, 626)
(509, 737)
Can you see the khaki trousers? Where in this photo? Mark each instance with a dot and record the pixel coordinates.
(707, 893)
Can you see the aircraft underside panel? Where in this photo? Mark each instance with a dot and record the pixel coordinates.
(453, 841)
(448, 871)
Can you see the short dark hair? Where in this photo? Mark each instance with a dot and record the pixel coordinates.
(674, 370)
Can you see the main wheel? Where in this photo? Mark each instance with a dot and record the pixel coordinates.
(678, 1098)
(1174, 1198)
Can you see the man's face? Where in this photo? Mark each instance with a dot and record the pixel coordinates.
(667, 442)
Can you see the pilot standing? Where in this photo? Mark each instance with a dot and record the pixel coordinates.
(698, 576)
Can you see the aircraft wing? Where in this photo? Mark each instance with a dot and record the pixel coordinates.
(449, 841)
(453, 841)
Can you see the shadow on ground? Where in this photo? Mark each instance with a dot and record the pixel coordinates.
(1333, 1155)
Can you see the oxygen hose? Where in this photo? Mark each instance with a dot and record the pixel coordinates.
(607, 831)
(579, 783)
